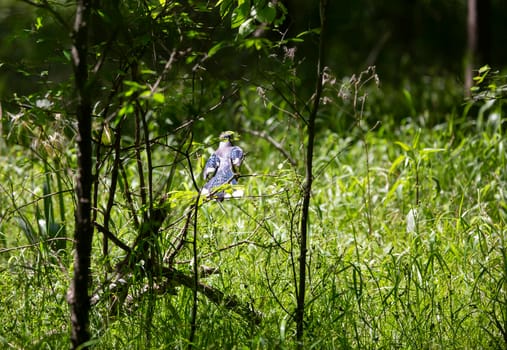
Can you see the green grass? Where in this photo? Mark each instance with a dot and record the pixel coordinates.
(406, 251)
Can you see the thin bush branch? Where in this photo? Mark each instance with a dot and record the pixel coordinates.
(112, 187)
(140, 168)
(128, 196)
(181, 239)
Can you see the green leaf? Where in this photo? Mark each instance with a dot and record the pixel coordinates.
(306, 32)
(179, 197)
(125, 110)
(216, 48)
(396, 162)
(145, 94)
(158, 97)
(38, 23)
(133, 84)
(133, 87)
(27, 229)
(484, 69)
(225, 7)
(148, 71)
(403, 145)
(104, 16)
(66, 54)
(432, 150)
(240, 13)
(415, 142)
(246, 28)
(266, 14)
(410, 101)
(394, 187)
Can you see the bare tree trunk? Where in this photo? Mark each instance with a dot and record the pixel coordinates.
(300, 310)
(484, 32)
(471, 44)
(78, 297)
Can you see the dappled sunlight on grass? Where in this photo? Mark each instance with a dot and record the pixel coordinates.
(414, 258)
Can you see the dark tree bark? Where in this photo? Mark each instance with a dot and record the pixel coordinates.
(300, 309)
(78, 293)
(478, 51)
(471, 44)
(484, 32)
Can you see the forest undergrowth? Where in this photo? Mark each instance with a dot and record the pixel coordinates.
(406, 249)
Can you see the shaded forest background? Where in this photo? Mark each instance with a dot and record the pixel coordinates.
(418, 45)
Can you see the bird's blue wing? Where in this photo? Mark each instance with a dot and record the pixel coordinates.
(236, 156)
(222, 177)
(211, 166)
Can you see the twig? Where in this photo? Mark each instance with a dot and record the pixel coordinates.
(277, 145)
(181, 240)
(139, 162)
(167, 67)
(45, 5)
(47, 195)
(112, 187)
(230, 246)
(128, 196)
(195, 278)
(37, 244)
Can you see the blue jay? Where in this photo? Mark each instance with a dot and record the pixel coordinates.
(223, 165)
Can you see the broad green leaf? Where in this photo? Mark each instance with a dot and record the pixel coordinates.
(246, 28)
(158, 97)
(267, 13)
(240, 13)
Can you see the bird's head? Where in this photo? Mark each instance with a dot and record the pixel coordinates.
(228, 136)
